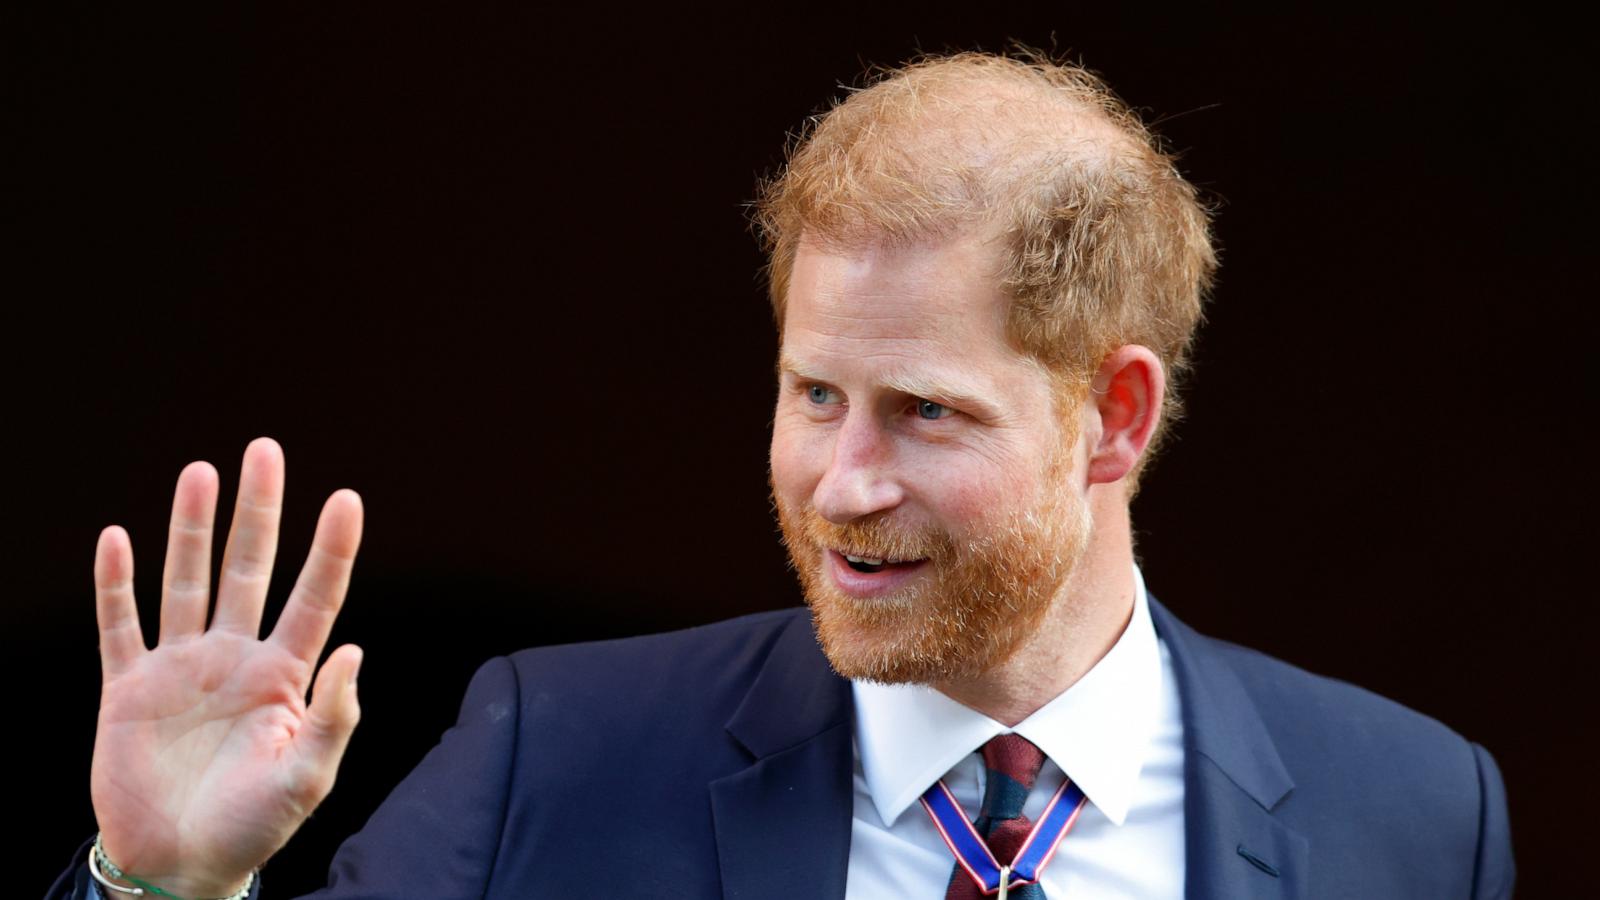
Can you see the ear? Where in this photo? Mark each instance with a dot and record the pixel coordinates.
(1125, 404)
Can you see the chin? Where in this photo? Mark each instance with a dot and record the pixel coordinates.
(904, 641)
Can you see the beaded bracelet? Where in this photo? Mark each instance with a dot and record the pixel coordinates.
(99, 860)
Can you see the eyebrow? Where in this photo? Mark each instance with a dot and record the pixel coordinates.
(914, 384)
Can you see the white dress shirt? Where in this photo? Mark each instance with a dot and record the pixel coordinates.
(1117, 732)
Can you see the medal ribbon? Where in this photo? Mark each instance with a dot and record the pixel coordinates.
(973, 852)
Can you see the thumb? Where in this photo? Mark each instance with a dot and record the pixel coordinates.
(331, 718)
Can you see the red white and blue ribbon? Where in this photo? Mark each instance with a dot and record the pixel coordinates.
(973, 853)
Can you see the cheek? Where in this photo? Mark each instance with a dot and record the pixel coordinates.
(797, 460)
(965, 488)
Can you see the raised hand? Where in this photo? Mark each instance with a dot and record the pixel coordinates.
(207, 757)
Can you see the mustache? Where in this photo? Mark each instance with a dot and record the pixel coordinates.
(876, 538)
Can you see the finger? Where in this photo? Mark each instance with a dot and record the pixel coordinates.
(186, 580)
(121, 641)
(252, 540)
(330, 720)
(319, 593)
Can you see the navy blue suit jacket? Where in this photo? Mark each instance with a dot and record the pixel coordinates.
(716, 763)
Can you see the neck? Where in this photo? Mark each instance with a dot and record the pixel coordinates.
(1083, 623)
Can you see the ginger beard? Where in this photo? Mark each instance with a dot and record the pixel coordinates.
(980, 597)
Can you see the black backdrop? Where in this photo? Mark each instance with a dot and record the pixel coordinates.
(492, 270)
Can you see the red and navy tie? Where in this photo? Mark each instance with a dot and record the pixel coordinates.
(1012, 763)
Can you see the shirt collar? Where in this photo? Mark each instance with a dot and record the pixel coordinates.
(1098, 730)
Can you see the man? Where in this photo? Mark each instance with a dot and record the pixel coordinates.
(986, 276)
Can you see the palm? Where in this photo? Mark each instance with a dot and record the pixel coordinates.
(207, 756)
(204, 731)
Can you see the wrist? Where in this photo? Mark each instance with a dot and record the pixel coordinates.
(116, 883)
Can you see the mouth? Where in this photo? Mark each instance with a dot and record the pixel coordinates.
(867, 576)
(870, 564)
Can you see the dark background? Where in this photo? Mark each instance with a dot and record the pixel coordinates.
(492, 270)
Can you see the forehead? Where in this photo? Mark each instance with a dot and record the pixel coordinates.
(922, 305)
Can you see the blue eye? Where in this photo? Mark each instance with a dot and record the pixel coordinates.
(818, 394)
(931, 410)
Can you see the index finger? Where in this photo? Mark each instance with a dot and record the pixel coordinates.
(308, 617)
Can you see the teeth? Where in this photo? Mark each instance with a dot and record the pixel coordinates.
(865, 560)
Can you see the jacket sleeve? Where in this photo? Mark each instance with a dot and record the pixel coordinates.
(1495, 873)
(437, 834)
(74, 883)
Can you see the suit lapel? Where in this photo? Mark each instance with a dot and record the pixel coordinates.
(1233, 780)
(1234, 847)
(783, 823)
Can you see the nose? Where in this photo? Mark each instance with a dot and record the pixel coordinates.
(861, 477)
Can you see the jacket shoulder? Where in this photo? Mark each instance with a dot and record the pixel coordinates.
(1305, 707)
(640, 724)
(719, 657)
(672, 692)
(1373, 779)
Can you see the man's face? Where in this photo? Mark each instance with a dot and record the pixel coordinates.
(924, 480)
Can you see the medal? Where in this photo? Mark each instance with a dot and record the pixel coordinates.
(973, 852)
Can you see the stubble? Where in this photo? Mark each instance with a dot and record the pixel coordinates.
(979, 599)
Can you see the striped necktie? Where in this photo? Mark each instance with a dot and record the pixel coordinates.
(1012, 765)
